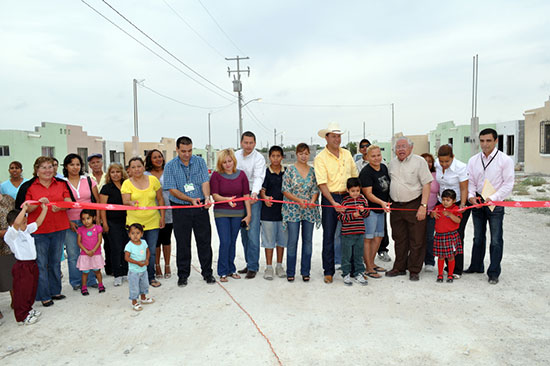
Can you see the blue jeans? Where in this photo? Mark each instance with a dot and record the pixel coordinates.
(352, 253)
(49, 248)
(430, 229)
(329, 220)
(228, 230)
(73, 252)
(138, 284)
(292, 246)
(338, 244)
(151, 237)
(251, 239)
(480, 217)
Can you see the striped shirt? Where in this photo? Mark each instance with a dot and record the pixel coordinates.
(353, 225)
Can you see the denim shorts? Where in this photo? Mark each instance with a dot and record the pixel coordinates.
(273, 234)
(138, 283)
(374, 225)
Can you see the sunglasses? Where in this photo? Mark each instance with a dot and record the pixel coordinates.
(362, 146)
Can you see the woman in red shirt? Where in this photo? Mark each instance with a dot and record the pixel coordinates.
(50, 235)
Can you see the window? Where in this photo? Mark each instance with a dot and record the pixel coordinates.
(83, 152)
(501, 142)
(466, 139)
(61, 131)
(450, 141)
(48, 151)
(4, 150)
(510, 145)
(545, 137)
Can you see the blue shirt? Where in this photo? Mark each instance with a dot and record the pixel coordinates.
(8, 188)
(137, 253)
(177, 175)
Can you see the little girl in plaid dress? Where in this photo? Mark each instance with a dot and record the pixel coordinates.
(447, 242)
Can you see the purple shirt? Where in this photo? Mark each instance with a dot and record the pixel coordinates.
(229, 185)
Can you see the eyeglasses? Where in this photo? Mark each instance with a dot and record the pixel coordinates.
(363, 146)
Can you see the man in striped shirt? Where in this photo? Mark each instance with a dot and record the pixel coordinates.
(353, 230)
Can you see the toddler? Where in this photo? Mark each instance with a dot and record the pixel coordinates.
(137, 255)
(89, 240)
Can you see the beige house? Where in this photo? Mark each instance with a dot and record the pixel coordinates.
(421, 143)
(80, 143)
(537, 139)
(166, 145)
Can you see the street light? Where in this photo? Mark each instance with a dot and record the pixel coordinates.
(241, 106)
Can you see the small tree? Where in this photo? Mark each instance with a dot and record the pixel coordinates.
(352, 147)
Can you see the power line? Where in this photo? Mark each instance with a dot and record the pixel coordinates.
(165, 50)
(193, 29)
(220, 28)
(257, 121)
(184, 103)
(328, 105)
(153, 52)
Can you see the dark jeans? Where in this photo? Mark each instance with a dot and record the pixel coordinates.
(292, 247)
(108, 259)
(228, 230)
(118, 238)
(386, 239)
(430, 230)
(352, 253)
(480, 218)
(329, 221)
(197, 221)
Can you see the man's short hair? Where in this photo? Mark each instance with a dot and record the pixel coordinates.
(275, 148)
(489, 131)
(248, 134)
(364, 141)
(183, 140)
(409, 141)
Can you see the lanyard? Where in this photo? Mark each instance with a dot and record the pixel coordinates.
(490, 161)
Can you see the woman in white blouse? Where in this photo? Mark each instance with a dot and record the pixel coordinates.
(452, 174)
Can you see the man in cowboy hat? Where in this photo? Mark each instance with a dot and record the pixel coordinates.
(333, 166)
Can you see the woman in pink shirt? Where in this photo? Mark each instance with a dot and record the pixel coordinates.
(84, 189)
(429, 260)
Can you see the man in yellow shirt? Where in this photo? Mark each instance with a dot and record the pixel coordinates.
(333, 166)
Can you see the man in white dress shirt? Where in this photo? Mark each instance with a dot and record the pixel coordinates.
(497, 168)
(252, 163)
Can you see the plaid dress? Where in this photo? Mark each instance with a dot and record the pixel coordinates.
(447, 245)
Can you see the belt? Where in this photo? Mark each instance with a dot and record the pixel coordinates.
(340, 193)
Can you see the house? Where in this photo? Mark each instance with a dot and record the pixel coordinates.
(537, 139)
(511, 138)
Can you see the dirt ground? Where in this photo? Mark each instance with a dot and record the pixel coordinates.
(392, 321)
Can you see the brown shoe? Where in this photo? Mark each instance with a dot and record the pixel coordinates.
(394, 273)
(242, 271)
(328, 279)
(414, 277)
(250, 275)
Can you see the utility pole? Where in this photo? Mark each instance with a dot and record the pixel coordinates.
(392, 131)
(209, 151)
(474, 123)
(135, 138)
(274, 136)
(238, 139)
(238, 86)
(348, 138)
(363, 129)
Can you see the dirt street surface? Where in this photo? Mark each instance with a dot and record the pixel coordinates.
(392, 321)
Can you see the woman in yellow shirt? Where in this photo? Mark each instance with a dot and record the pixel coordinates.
(142, 191)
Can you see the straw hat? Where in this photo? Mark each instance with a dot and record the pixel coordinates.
(333, 127)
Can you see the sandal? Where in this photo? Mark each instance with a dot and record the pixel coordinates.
(158, 274)
(439, 278)
(290, 279)
(235, 276)
(137, 306)
(167, 271)
(147, 300)
(305, 278)
(373, 274)
(223, 278)
(379, 269)
(84, 291)
(155, 283)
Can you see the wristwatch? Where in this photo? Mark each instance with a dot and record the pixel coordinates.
(424, 205)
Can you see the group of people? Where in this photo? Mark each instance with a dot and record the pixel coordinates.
(268, 205)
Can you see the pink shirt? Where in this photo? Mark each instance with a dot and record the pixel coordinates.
(434, 191)
(89, 238)
(498, 169)
(81, 193)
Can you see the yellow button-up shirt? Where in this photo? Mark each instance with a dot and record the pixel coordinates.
(334, 171)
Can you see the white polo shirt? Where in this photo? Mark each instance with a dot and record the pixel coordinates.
(21, 243)
(453, 176)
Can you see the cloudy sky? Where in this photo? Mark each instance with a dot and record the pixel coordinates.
(311, 62)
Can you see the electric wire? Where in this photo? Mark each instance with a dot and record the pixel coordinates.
(183, 103)
(327, 105)
(165, 50)
(255, 119)
(153, 52)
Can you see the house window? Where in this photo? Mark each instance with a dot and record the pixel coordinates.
(500, 142)
(450, 141)
(61, 131)
(510, 145)
(545, 137)
(466, 139)
(48, 151)
(83, 152)
(4, 150)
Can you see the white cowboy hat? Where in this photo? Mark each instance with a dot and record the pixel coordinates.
(333, 127)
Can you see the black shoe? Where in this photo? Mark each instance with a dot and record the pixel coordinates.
(450, 279)
(58, 297)
(414, 277)
(470, 270)
(210, 280)
(250, 275)
(244, 270)
(493, 280)
(47, 303)
(439, 279)
(182, 281)
(394, 273)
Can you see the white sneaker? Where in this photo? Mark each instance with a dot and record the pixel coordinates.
(30, 319)
(347, 280)
(118, 281)
(428, 268)
(280, 271)
(36, 313)
(338, 267)
(268, 274)
(360, 279)
(384, 257)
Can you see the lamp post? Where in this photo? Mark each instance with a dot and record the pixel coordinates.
(241, 106)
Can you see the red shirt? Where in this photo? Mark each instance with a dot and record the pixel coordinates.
(444, 224)
(54, 221)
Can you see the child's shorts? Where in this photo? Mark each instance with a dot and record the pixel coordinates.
(90, 270)
(273, 234)
(138, 283)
